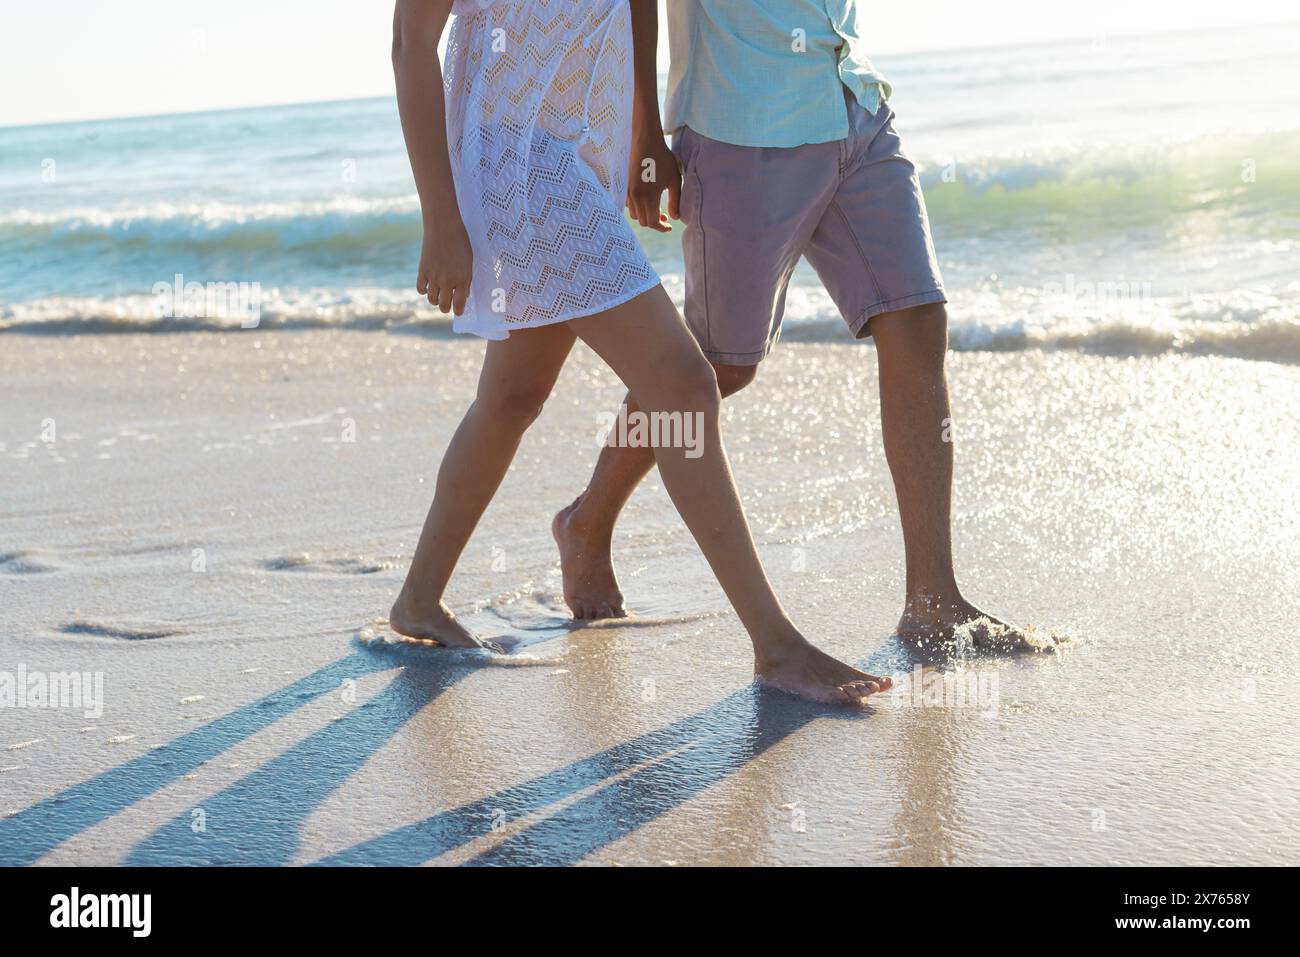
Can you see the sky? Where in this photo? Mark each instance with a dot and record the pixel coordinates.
(88, 59)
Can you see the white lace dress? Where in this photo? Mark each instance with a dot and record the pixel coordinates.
(539, 122)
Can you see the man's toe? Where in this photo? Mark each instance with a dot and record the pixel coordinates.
(847, 694)
(856, 690)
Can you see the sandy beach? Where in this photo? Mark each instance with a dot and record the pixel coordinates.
(213, 522)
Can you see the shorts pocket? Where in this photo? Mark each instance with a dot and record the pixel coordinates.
(686, 147)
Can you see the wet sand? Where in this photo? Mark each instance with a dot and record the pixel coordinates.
(210, 521)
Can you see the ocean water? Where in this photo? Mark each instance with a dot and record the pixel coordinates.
(1128, 195)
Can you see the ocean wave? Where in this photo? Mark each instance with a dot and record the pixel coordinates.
(331, 226)
(214, 215)
(1124, 319)
(1097, 190)
(1275, 340)
(1268, 341)
(1205, 326)
(361, 308)
(1111, 189)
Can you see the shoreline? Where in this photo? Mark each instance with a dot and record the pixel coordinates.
(1272, 341)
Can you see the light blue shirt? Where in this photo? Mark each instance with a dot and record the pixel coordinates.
(767, 72)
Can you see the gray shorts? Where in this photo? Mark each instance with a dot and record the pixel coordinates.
(853, 207)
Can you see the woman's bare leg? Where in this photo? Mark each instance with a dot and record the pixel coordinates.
(518, 375)
(648, 345)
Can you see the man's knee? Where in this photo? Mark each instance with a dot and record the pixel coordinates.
(916, 336)
(731, 379)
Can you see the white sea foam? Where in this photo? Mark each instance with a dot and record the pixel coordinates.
(377, 636)
(1241, 325)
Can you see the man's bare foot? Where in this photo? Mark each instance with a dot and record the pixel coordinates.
(434, 623)
(800, 668)
(937, 623)
(590, 587)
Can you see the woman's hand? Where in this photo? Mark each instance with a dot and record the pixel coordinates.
(652, 168)
(446, 259)
(446, 267)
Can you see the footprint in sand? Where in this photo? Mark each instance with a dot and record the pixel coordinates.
(342, 565)
(136, 631)
(27, 563)
(544, 612)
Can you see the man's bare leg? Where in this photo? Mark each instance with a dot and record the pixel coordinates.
(911, 346)
(584, 530)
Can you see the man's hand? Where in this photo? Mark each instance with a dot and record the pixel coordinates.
(446, 267)
(652, 168)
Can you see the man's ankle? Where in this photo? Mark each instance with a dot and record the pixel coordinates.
(932, 602)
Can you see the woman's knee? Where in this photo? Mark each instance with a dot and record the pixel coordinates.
(515, 404)
(689, 384)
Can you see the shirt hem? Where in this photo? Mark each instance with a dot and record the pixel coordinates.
(823, 135)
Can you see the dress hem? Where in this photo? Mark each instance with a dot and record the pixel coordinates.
(582, 313)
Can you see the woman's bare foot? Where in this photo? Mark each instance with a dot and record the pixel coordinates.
(590, 586)
(434, 623)
(800, 668)
(932, 621)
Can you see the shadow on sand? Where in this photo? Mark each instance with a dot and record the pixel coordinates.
(258, 819)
